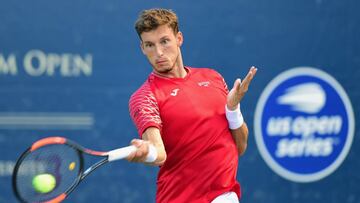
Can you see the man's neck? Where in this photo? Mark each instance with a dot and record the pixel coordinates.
(178, 71)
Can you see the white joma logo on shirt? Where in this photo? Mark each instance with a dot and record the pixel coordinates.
(204, 84)
(174, 92)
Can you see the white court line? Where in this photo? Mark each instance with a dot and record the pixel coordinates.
(46, 120)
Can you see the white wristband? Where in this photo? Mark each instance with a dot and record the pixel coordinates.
(152, 154)
(235, 118)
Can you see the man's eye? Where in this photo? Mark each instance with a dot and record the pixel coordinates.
(164, 41)
(148, 45)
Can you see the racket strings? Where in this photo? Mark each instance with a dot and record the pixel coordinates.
(60, 161)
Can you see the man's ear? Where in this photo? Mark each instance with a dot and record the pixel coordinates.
(179, 38)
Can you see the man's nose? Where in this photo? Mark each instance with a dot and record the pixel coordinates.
(159, 50)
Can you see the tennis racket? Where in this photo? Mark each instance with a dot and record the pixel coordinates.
(63, 160)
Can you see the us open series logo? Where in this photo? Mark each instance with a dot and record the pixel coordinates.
(304, 124)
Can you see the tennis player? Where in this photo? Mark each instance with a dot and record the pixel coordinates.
(188, 118)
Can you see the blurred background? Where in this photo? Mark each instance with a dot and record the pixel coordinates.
(68, 68)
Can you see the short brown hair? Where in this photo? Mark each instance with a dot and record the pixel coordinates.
(151, 19)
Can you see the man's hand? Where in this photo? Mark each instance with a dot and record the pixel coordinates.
(142, 150)
(152, 137)
(239, 89)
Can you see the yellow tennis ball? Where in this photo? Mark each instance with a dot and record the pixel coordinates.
(44, 183)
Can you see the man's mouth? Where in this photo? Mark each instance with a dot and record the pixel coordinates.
(160, 61)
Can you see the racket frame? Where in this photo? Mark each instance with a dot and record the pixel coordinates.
(80, 152)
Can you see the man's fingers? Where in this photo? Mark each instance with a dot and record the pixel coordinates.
(237, 84)
(137, 142)
(249, 77)
(142, 150)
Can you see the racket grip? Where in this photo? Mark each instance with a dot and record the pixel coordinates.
(123, 152)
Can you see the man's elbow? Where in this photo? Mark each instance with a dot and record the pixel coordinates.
(241, 149)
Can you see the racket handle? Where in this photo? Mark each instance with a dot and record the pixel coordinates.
(123, 152)
(120, 153)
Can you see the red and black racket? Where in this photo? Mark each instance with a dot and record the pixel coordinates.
(64, 160)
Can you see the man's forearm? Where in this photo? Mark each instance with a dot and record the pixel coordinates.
(153, 136)
(240, 136)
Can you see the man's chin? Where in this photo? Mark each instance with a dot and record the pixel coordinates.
(163, 70)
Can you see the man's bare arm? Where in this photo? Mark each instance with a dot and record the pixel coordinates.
(236, 94)
(150, 136)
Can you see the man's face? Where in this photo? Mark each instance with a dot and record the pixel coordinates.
(162, 48)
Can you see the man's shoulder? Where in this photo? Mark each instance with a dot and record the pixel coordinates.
(204, 71)
(142, 91)
(200, 69)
